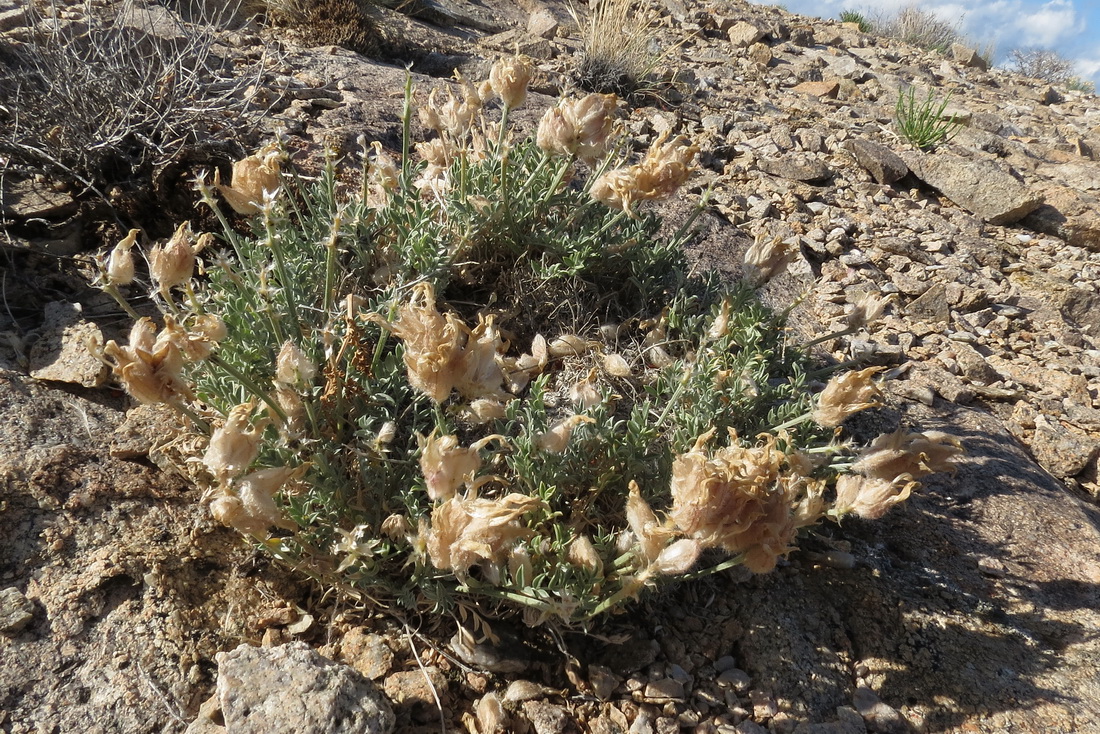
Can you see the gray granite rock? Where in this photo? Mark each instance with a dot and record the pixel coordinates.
(884, 165)
(293, 689)
(979, 186)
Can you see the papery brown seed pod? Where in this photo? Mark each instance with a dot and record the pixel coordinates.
(556, 438)
(569, 345)
(616, 365)
(234, 445)
(173, 263)
(255, 179)
(120, 265)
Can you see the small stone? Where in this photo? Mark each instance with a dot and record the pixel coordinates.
(878, 716)
(966, 56)
(725, 663)
(796, 168)
(1061, 452)
(764, 705)
(16, 611)
(743, 35)
(736, 678)
(664, 689)
(548, 718)
(542, 24)
(931, 306)
(367, 653)
(603, 681)
(760, 53)
(884, 165)
(818, 89)
(61, 353)
(979, 186)
(992, 567)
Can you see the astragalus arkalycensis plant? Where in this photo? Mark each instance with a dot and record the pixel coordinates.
(481, 372)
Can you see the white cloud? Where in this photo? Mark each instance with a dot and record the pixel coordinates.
(1050, 25)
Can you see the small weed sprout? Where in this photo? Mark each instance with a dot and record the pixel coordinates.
(481, 377)
(923, 123)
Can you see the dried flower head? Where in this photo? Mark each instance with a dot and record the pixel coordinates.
(255, 179)
(480, 375)
(446, 465)
(120, 265)
(650, 535)
(666, 166)
(581, 552)
(870, 498)
(735, 500)
(579, 127)
(467, 532)
(293, 368)
(912, 454)
(384, 171)
(555, 439)
(257, 510)
(766, 258)
(433, 344)
(509, 79)
(150, 367)
(173, 263)
(868, 309)
(845, 395)
(234, 445)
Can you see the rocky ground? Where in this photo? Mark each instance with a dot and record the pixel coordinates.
(974, 607)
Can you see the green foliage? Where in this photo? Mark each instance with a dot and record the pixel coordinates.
(852, 16)
(923, 123)
(1078, 84)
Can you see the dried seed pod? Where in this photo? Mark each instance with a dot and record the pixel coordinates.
(120, 265)
(292, 367)
(255, 179)
(446, 465)
(616, 365)
(583, 392)
(173, 263)
(870, 498)
(234, 445)
(569, 345)
(555, 440)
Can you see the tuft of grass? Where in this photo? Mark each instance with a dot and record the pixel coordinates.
(852, 16)
(475, 375)
(617, 56)
(923, 123)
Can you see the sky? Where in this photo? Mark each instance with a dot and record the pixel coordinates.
(1070, 27)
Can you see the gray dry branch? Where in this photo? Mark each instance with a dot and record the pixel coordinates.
(111, 98)
(1041, 63)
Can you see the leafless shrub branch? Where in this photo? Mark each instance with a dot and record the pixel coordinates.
(111, 98)
(1039, 63)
